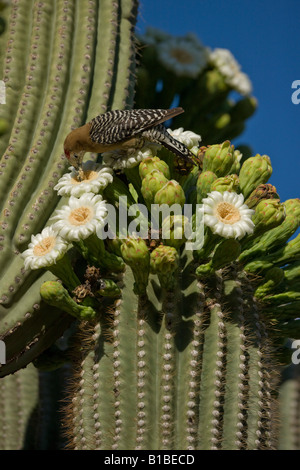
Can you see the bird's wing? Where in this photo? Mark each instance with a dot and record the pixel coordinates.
(115, 126)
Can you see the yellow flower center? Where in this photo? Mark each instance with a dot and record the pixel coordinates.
(44, 247)
(88, 175)
(80, 216)
(182, 56)
(227, 213)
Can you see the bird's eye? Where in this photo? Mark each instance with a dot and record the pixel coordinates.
(75, 156)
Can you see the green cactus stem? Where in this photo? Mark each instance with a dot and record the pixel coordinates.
(47, 43)
(207, 334)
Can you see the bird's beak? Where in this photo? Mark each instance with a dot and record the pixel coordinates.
(80, 173)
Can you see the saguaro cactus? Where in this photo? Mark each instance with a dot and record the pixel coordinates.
(48, 94)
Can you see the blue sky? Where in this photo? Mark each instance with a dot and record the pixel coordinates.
(264, 36)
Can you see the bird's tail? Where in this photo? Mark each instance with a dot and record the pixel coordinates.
(160, 135)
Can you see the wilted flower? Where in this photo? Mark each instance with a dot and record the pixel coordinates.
(119, 160)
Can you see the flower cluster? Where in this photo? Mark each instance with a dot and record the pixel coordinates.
(80, 218)
(233, 208)
(186, 56)
(225, 62)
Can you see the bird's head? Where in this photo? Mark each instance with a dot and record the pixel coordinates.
(73, 150)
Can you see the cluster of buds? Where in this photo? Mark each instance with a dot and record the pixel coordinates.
(242, 218)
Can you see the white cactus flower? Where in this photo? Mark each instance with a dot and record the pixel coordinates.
(81, 217)
(96, 178)
(45, 249)
(228, 66)
(185, 56)
(227, 215)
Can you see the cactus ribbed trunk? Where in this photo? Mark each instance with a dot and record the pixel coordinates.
(185, 369)
(62, 62)
(66, 64)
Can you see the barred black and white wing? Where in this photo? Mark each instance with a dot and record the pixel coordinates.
(118, 125)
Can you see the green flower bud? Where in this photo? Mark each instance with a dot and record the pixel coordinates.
(219, 158)
(255, 170)
(164, 261)
(114, 245)
(226, 183)
(54, 294)
(237, 162)
(263, 191)
(269, 213)
(94, 251)
(226, 252)
(204, 182)
(153, 163)
(285, 254)
(176, 230)
(171, 193)
(151, 184)
(273, 278)
(276, 236)
(135, 253)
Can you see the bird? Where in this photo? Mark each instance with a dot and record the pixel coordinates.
(123, 129)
